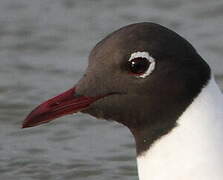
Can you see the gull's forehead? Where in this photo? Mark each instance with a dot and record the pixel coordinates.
(110, 52)
(118, 47)
(161, 43)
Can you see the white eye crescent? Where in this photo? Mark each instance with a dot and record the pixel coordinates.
(141, 64)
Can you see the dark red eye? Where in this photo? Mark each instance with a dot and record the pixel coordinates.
(138, 65)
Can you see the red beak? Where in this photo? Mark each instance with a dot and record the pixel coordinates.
(63, 104)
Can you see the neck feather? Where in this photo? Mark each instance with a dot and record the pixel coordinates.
(193, 149)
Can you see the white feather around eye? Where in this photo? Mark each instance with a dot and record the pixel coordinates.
(149, 58)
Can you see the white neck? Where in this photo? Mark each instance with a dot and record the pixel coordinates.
(194, 149)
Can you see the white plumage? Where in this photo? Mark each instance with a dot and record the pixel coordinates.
(194, 149)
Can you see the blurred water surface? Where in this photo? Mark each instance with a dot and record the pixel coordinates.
(44, 46)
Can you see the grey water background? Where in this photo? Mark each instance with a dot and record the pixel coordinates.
(44, 46)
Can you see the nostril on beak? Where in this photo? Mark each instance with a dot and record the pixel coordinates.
(76, 95)
(55, 104)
